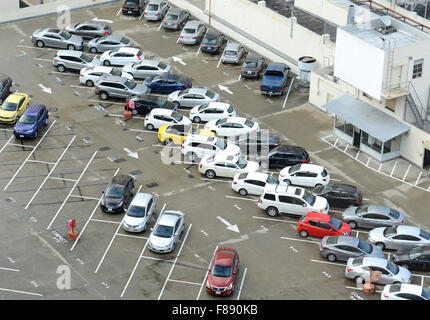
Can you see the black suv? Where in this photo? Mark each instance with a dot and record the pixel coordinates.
(212, 42)
(252, 66)
(144, 103)
(5, 87)
(339, 195)
(117, 194)
(133, 7)
(284, 156)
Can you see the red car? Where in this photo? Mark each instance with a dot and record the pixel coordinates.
(222, 272)
(319, 225)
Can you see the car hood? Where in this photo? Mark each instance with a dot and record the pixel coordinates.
(111, 202)
(174, 95)
(95, 63)
(75, 39)
(211, 124)
(128, 67)
(6, 114)
(220, 282)
(252, 166)
(349, 212)
(185, 121)
(140, 89)
(127, 75)
(106, 54)
(134, 221)
(401, 255)
(404, 274)
(232, 149)
(318, 190)
(320, 203)
(377, 233)
(20, 127)
(159, 241)
(37, 32)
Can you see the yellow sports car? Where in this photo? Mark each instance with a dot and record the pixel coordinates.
(176, 134)
(13, 107)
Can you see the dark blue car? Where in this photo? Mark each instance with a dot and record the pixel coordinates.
(168, 83)
(31, 121)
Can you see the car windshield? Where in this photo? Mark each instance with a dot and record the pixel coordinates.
(294, 168)
(337, 224)
(272, 180)
(388, 232)
(230, 53)
(425, 294)
(241, 163)
(203, 106)
(163, 231)
(86, 57)
(210, 94)
(115, 192)
(171, 17)
(9, 106)
(309, 198)
(135, 211)
(364, 246)
(249, 123)
(394, 214)
(221, 271)
(131, 3)
(65, 35)
(130, 84)
(124, 40)
(182, 92)
(210, 41)
(189, 31)
(152, 7)
(361, 210)
(99, 39)
(115, 72)
(26, 119)
(327, 188)
(274, 73)
(162, 65)
(221, 121)
(424, 234)
(392, 267)
(250, 64)
(221, 144)
(177, 116)
(415, 253)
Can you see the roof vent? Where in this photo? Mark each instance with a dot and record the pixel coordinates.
(385, 27)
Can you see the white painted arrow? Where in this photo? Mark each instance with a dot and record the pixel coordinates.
(97, 19)
(228, 224)
(223, 88)
(131, 154)
(45, 89)
(176, 59)
(22, 54)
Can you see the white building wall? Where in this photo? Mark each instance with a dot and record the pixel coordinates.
(9, 5)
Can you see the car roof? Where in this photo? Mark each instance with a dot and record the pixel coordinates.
(278, 188)
(257, 176)
(232, 46)
(198, 90)
(128, 49)
(347, 240)
(410, 230)
(15, 97)
(237, 119)
(147, 62)
(374, 261)
(175, 76)
(109, 77)
(252, 57)
(201, 138)
(141, 199)
(73, 53)
(344, 187)
(155, 1)
(407, 288)
(169, 217)
(225, 157)
(317, 216)
(121, 179)
(34, 108)
(162, 111)
(102, 69)
(378, 209)
(212, 34)
(220, 105)
(279, 66)
(311, 167)
(193, 24)
(92, 22)
(175, 10)
(288, 148)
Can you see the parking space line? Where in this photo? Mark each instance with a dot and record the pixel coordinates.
(33, 47)
(241, 285)
(121, 115)
(186, 282)
(83, 197)
(327, 262)
(216, 180)
(206, 275)
(81, 87)
(49, 173)
(157, 259)
(104, 101)
(5, 145)
(31, 153)
(176, 259)
(6, 129)
(110, 243)
(39, 161)
(106, 221)
(20, 145)
(23, 292)
(310, 241)
(239, 198)
(9, 269)
(64, 73)
(73, 188)
(131, 236)
(41, 59)
(141, 15)
(277, 220)
(161, 24)
(356, 288)
(65, 179)
(140, 130)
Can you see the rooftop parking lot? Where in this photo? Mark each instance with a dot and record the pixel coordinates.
(61, 176)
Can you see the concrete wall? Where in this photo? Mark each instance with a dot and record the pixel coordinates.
(9, 5)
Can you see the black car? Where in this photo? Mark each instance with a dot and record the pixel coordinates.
(117, 194)
(252, 66)
(414, 259)
(252, 143)
(284, 156)
(212, 42)
(5, 87)
(144, 103)
(339, 195)
(133, 7)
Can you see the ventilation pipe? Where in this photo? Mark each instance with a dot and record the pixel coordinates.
(351, 15)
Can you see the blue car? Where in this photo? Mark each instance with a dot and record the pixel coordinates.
(31, 121)
(168, 83)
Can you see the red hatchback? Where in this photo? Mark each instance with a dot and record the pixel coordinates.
(222, 272)
(319, 225)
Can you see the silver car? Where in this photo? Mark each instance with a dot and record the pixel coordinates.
(175, 18)
(92, 75)
(233, 53)
(118, 87)
(390, 273)
(57, 38)
(147, 68)
(399, 237)
(109, 42)
(343, 247)
(89, 29)
(156, 10)
(74, 60)
(193, 32)
(139, 212)
(372, 216)
(166, 232)
(192, 97)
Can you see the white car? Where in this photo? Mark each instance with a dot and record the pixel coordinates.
(253, 182)
(147, 68)
(211, 111)
(306, 175)
(196, 147)
(192, 97)
(225, 165)
(89, 76)
(159, 117)
(122, 56)
(232, 126)
(278, 198)
(138, 213)
(166, 232)
(404, 291)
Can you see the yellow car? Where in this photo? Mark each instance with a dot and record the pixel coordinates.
(13, 107)
(176, 134)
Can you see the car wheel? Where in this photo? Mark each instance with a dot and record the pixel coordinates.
(134, 112)
(352, 224)
(104, 95)
(46, 121)
(168, 142)
(150, 126)
(145, 227)
(93, 50)
(303, 233)
(380, 245)
(243, 192)
(331, 257)
(272, 211)
(192, 157)
(35, 134)
(71, 47)
(1, 100)
(287, 181)
(197, 119)
(89, 83)
(61, 68)
(318, 185)
(40, 43)
(210, 174)
(106, 63)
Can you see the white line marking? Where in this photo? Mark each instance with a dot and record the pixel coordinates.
(119, 11)
(6, 144)
(206, 275)
(141, 15)
(21, 145)
(131, 236)
(327, 262)
(310, 241)
(215, 180)
(64, 73)
(157, 259)
(33, 47)
(39, 161)
(23, 292)
(105, 101)
(241, 285)
(277, 220)
(9, 269)
(41, 59)
(139, 130)
(186, 282)
(57, 178)
(83, 197)
(161, 24)
(407, 171)
(219, 62)
(106, 221)
(81, 87)
(243, 198)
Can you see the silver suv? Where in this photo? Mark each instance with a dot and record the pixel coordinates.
(118, 87)
(139, 212)
(75, 60)
(233, 53)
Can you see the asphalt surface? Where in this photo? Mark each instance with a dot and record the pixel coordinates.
(61, 175)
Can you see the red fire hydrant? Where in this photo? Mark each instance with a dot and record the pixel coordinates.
(71, 225)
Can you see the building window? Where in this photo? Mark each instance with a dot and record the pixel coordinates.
(418, 69)
(344, 126)
(367, 96)
(371, 142)
(392, 145)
